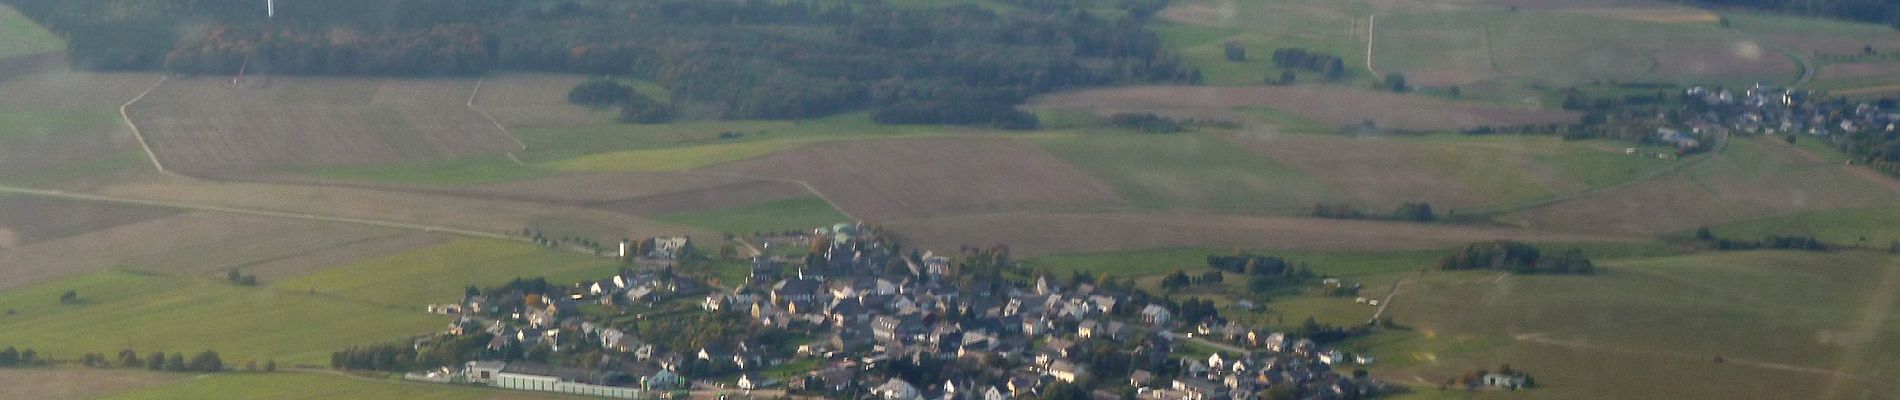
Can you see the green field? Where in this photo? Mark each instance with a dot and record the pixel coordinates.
(1769, 314)
(39, 123)
(465, 171)
(674, 159)
(438, 274)
(790, 214)
(20, 36)
(316, 386)
(1870, 227)
(616, 145)
(1188, 171)
(120, 310)
(1474, 161)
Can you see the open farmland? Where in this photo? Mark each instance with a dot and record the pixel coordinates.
(1788, 325)
(1752, 178)
(33, 220)
(478, 213)
(1189, 172)
(79, 384)
(791, 214)
(436, 274)
(1570, 47)
(62, 126)
(713, 198)
(321, 386)
(209, 126)
(188, 244)
(1056, 233)
(1333, 106)
(1877, 227)
(905, 178)
(119, 310)
(19, 36)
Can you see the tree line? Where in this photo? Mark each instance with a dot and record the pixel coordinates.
(1871, 11)
(1772, 242)
(1516, 257)
(1329, 66)
(1410, 211)
(770, 60)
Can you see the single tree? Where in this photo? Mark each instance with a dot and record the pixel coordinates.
(71, 296)
(1395, 82)
(175, 363)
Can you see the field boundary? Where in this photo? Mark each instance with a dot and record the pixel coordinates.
(521, 147)
(127, 117)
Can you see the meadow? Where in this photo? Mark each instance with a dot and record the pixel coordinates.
(120, 310)
(439, 274)
(1188, 171)
(1784, 324)
(19, 36)
(1877, 227)
(791, 214)
(314, 386)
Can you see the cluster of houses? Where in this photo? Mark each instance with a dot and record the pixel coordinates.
(1776, 111)
(870, 319)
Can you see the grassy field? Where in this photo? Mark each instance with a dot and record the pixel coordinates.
(315, 386)
(793, 214)
(120, 310)
(1781, 320)
(20, 36)
(674, 158)
(79, 383)
(467, 171)
(1871, 227)
(616, 143)
(1188, 172)
(438, 274)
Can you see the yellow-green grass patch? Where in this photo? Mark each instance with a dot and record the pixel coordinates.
(789, 214)
(674, 159)
(147, 313)
(21, 36)
(1188, 171)
(1870, 227)
(318, 386)
(439, 274)
(475, 170)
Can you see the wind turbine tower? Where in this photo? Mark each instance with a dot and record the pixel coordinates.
(270, 8)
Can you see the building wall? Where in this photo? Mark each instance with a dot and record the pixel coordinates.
(549, 384)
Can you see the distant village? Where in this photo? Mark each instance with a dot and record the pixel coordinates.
(855, 316)
(1712, 113)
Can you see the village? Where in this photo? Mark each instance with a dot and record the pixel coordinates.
(1712, 113)
(857, 317)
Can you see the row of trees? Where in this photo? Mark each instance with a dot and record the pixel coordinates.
(1327, 65)
(1776, 242)
(634, 106)
(1873, 11)
(12, 357)
(1516, 257)
(773, 60)
(1410, 211)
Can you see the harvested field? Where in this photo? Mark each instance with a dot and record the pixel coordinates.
(908, 178)
(536, 100)
(34, 220)
(1379, 174)
(1751, 180)
(208, 126)
(1056, 233)
(64, 125)
(479, 214)
(201, 244)
(1330, 105)
(79, 384)
(609, 187)
(735, 195)
(1860, 70)
(1738, 59)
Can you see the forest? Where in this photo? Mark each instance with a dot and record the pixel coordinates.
(1874, 11)
(720, 59)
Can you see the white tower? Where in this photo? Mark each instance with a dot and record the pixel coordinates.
(270, 8)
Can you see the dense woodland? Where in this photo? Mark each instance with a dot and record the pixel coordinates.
(720, 59)
(1874, 11)
(1516, 257)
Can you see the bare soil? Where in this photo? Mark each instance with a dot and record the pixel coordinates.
(909, 178)
(76, 383)
(1054, 233)
(1860, 70)
(536, 100)
(1380, 174)
(1741, 58)
(35, 220)
(1331, 105)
